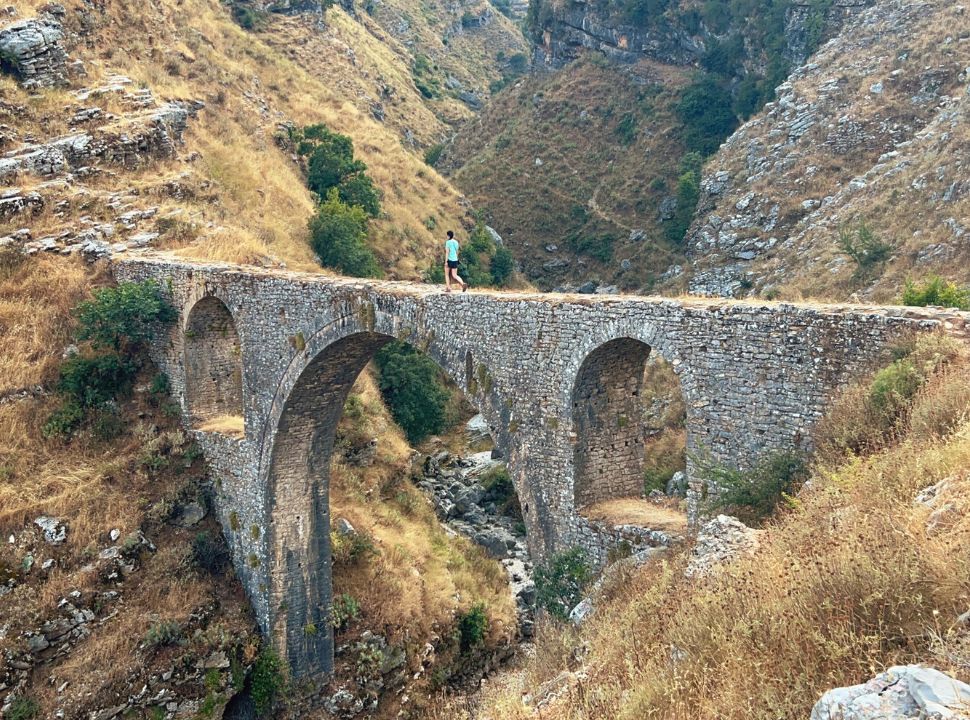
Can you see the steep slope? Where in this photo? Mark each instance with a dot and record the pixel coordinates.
(594, 167)
(225, 182)
(873, 130)
(571, 169)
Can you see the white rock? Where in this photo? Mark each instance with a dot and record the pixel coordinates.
(55, 532)
(907, 692)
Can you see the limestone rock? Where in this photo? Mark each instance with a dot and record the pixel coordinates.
(720, 541)
(903, 692)
(55, 531)
(33, 49)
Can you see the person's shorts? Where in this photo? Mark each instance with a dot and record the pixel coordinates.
(453, 264)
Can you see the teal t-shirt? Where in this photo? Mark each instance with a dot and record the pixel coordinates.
(451, 247)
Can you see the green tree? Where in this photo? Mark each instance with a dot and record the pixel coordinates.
(359, 190)
(331, 164)
(338, 235)
(412, 388)
(865, 248)
(123, 316)
(502, 266)
(706, 111)
(560, 582)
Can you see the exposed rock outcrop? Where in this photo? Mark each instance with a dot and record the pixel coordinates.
(32, 50)
(907, 692)
(867, 130)
(720, 541)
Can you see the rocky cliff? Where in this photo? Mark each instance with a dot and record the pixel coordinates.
(872, 130)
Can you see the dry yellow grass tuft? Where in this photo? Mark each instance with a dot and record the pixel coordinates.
(231, 425)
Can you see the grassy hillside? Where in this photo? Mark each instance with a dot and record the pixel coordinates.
(240, 196)
(571, 169)
(863, 570)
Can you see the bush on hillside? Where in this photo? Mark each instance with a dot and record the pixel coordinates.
(433, 153)
(113, 329)
(267, 682)
(936, 291)
(752, 495)
(124, 316)
(869, 414)
(560, 582)
(411, 385)
(502, 266)
(863, 246)
(706, 111)
(472, 627)
(331, 164)
(338, 235)
(688, 191)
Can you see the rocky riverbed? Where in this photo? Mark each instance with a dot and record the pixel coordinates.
(473, 497)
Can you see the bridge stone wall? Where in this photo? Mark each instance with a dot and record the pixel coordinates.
(755, 377)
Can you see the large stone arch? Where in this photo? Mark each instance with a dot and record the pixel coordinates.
(604, 401)
(213, 361)
(298, 443)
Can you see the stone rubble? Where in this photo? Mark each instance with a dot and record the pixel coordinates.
(718, 542)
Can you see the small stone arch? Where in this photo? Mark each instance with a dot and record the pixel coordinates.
(608, 452)
(213, 363)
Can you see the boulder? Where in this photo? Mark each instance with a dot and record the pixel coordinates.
(677, 485)
(32, 48)
(55, 532)
(189, 514)
(720, 541)
(903, 692)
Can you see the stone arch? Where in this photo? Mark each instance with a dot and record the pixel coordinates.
(213, 362)
(608, 453)
(606, 406)
(298, 444)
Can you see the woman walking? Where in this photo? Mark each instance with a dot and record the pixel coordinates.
(451, 263)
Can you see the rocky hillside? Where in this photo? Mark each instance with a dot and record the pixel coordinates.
(178, 113)
(873, 130)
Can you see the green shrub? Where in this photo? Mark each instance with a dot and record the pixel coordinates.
(248, 18)
(752, 495)
(347, 550)
(126, 315)
(500, 490)
(210, 553)
(22, 709)
(626, 129)
(936, 291)
(893, 387)
(863, 246)
(64, 420)
(331, 164)
(502, 265)
(267, 682)
(93, 381)
(424, 74)
(411, 385)
(706, 111)
(433, 153)
(345, 608)
(162, 634)
(472, 627)
(338, 235)
(560, 582)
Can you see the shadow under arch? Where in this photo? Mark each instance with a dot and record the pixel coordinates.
(213, 362)
(298, 445)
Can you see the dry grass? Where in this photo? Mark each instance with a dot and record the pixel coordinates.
(637, 511)
(853, 580)
(36, 297)
(421, 576)
(232, 425)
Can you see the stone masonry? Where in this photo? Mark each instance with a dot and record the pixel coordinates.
(555, 376)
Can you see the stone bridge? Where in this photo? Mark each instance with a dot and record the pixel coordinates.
(557, 378)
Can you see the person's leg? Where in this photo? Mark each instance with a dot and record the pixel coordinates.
(447, 277)
(464, 285)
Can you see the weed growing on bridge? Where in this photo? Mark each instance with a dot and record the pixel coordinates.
(936, 291)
